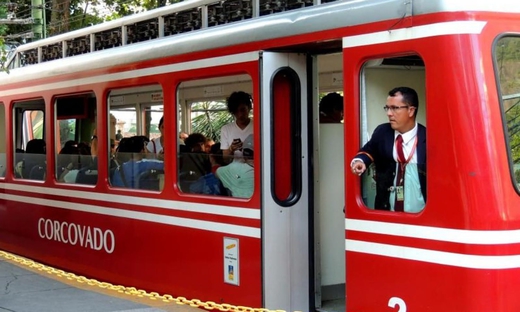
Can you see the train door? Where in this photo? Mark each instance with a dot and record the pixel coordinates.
(285, 182)
(378, 270)
(328, 181)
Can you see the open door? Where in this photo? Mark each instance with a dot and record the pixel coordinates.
(287, 241)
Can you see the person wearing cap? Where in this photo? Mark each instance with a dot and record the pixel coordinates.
(238, 176)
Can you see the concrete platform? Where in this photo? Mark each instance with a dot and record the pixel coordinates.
(23, 289)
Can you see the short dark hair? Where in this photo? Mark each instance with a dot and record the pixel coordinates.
(161, 121)
(236, 99)
(331, 102)
(409, 96)
(133, 144)
(35, 146)
(193, 139)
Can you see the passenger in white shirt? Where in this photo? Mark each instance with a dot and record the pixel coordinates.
(239, 134)
(155, 146)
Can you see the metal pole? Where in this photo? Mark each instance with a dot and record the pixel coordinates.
(38, 14)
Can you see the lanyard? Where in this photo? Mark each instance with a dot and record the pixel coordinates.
(411, 153)
(403, 165)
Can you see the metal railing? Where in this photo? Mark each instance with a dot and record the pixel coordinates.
(167, 21)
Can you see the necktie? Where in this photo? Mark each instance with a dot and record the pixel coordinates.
(399, 204)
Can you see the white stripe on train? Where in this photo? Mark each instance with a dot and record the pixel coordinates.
(438, 29)
(477, 237)
(247, 213)
(141, 216)
(417, 32)
(434, 256)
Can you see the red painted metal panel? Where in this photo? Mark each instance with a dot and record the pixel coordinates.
(283, 140)
(469, 185)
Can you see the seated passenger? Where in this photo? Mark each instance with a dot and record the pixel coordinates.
(133, 150)
(196, 160)
(33, 164)
(208, 145)
(77, 157)
(18, 161)
(238, 176)
(65, 157)
(209, 184)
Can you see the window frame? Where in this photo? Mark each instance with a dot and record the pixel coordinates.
(503, 110)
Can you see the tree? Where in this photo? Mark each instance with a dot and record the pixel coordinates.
(60, 11)
(3, 48)
(210, 117)
(66, 15)
(507, 56)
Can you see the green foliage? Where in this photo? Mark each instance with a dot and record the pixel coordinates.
(508, 49)
(81, 13)
(507, 56)
(3, 28)
(129, 7)
(209, 118)
(513, 127)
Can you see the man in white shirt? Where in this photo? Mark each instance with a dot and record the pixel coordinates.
(239, 134)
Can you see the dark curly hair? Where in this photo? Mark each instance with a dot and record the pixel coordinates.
(330, 102)
(194, 139)
(236, 99)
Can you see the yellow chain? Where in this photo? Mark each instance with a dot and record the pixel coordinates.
(208, 305)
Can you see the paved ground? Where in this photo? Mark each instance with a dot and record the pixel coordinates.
(28, 290)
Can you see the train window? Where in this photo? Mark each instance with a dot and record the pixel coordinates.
(507, 62)
(286, 153)
(393, 110)
(136, 127)
(29, 143)
(216, 158)
(2, 146)
(75, 123)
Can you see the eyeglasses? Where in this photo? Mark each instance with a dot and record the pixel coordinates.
(394, 108)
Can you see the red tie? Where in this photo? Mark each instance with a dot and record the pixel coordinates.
(399, 204)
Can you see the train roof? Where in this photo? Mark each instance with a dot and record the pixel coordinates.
(289, 23)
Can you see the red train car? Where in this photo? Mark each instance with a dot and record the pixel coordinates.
(308, 238)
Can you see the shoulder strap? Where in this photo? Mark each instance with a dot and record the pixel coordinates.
(154, 148)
